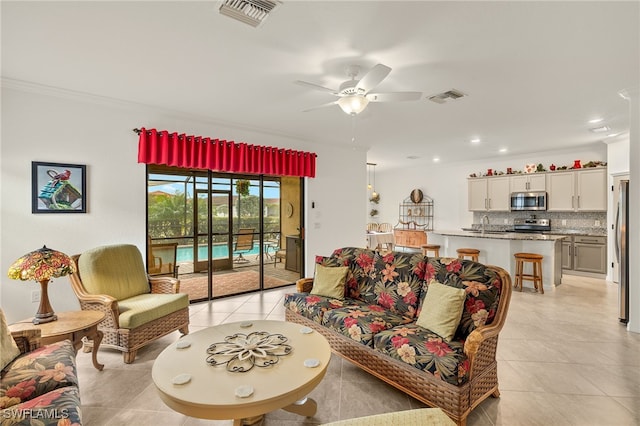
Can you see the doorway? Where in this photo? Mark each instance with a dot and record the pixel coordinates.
(232, 233)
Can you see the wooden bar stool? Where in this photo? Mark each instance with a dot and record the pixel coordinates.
(468, 252)
(536, 274)
(426, 248)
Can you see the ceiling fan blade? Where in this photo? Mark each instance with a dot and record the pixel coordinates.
(321, 106)
(373, 78)
(316, 86)
(394, 96)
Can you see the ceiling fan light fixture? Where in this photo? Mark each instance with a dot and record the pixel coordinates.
(353, 104)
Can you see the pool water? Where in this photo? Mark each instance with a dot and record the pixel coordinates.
(185, 253)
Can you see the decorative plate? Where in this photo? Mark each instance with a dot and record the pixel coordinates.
(288, 209)
(416, 196)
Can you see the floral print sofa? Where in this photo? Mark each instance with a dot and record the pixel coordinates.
(375, 324)
(40, 386)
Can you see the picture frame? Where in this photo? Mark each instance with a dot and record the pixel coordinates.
(58, 187)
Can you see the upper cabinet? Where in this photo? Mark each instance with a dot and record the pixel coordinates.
(528, 182)
(489, 194)
(582, 190)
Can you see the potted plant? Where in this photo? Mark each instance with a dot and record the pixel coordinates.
(242, 187)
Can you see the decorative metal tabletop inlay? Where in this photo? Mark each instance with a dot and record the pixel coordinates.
(241, 352)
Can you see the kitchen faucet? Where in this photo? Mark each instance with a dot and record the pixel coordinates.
(482, 222)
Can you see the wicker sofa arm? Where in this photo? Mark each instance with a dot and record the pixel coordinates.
(304, 285)
(164, 285)
(27, 340)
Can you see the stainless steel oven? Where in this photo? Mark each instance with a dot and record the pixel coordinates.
(528, 201)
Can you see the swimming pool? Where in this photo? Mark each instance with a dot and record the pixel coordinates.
(185, 253)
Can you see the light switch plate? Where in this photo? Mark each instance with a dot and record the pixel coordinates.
(597, 223)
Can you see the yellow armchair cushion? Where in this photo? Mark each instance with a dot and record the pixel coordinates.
(138, 310)
(117, 270)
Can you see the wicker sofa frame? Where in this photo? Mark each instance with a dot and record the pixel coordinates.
(456, 401)
(123, 339)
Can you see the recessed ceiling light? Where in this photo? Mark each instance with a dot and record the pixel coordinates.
(610, 135)
(502, 150)
(595, 120)
(475, 140)
(412, 157)
(436, 159)
(600, 129)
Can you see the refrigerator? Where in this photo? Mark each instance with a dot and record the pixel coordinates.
(622, 250)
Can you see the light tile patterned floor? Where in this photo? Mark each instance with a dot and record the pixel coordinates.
(564, 359)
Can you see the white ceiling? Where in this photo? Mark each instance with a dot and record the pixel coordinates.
(535, 72)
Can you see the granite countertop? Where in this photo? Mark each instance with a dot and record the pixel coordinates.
(501, 235)
(589, 232)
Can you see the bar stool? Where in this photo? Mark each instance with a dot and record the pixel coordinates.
(536, 274)
(468, 252)
(426, 248)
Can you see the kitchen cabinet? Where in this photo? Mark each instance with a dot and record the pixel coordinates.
(575, 191)
(413, 238)
(585, 254)
(488, 194)
(528, 182)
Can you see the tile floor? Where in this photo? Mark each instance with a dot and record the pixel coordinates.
(564, 359)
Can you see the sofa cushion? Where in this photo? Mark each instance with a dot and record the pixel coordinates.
(329, 281)
(442, 309)
(58, 407)
(426, 351)
(398, 279)
(138, 310)
(361, 321)
(311, 306)
(9, 347)
(361, 263)
(116, 270)
(482, 285)
(38, 372)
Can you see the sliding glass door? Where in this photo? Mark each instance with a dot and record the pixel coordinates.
(230, 232)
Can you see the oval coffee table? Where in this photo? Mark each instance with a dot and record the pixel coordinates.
(210, 391)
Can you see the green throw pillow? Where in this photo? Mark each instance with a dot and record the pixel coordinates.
(330, 281)
(9, 349)
(442, 309)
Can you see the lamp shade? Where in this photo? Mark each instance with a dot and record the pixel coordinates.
(353, 104)
(41, 264)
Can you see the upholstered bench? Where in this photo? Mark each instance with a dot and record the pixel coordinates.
(417, 417)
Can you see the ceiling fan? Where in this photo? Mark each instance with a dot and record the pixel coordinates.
(354, 95)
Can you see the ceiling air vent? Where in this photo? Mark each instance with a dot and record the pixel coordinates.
(251, 12)
(449, 95)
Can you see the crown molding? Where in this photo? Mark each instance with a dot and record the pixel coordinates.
(58, 92)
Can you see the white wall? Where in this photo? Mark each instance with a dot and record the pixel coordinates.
(45, 125)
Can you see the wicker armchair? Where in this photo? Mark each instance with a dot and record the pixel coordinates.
(138, 308)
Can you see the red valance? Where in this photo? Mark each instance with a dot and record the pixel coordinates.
(198, 152)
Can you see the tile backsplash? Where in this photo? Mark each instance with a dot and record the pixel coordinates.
(593, 222)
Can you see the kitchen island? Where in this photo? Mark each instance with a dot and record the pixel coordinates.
(497, 248)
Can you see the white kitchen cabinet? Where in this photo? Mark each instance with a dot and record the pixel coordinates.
(575, 191)
(528, 182)
(591, 188)
(488, 194)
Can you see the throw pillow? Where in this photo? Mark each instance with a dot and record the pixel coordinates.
(9, 348)
(442, 309)
(329, 281)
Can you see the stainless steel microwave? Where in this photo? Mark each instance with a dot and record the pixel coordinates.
(528, 201)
